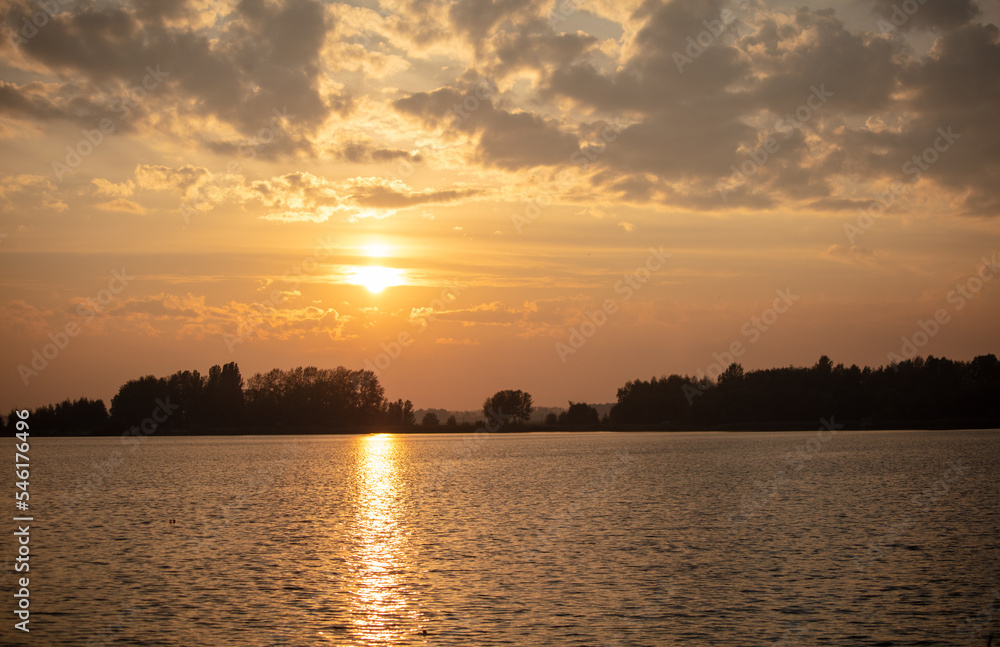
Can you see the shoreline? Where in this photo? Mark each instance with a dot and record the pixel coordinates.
(777, 427)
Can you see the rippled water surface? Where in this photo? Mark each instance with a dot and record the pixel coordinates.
(845, 538)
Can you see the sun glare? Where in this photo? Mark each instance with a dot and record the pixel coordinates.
(376, 278)
(376, 250)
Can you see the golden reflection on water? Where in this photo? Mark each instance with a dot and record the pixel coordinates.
(379, 613)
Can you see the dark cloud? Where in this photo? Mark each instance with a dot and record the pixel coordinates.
(388, 197)
(33, 101)
(702, 110)
(535, 46)
(961, 73)
(265, 58)
(161, 9)
(665, 73)
(477, 18)
(861, 70)
(839, 204)
(688, 97)
(510, 140)
(958, 87)
(365, 153)
(924, 14)
(266, 144)
(700, 86)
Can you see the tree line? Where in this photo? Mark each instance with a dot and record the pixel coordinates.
(300, 398)
(327, 400)
(917, 390)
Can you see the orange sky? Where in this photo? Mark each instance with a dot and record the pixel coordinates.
(556, 197)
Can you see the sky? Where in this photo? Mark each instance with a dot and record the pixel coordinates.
(473, 195)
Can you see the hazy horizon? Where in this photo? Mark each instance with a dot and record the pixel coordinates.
(554, 197)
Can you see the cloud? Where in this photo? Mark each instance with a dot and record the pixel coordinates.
(262, 56)
(190, 316)
(121, 204)
(839, 204)
(106, 187)
(366, 153)
(632, 112)
(850, 254)
(449, 341)
(46, 102)
(19, 316)
(477, 18)
(704, 110)
(486, 314)
(535, 46)
(25, 192)
(393, 194)
(932, 14)
(298, 196)
(509, 140)
(185, 180)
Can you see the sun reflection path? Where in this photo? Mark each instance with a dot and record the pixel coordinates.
(379, 611)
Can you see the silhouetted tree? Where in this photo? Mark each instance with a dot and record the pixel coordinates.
(451, 421)
(186, 389)
(551, 419)
(508, 405)
(579, 414)
(224, 401)
(264, 396)
(430, 420)
(399, 413)
(309, 396)
(81, 416)
(668, 399)
(911, 390)
(136, 401)
(733, 375)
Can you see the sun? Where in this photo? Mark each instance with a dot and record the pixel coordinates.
(376, 278)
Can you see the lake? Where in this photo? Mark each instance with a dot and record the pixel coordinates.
(819, 538)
